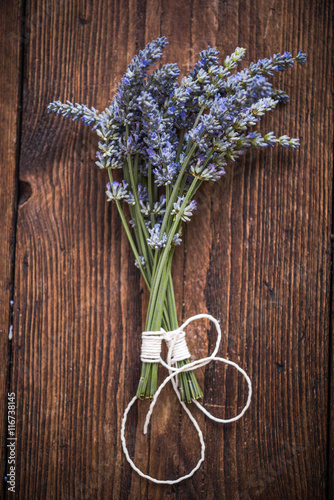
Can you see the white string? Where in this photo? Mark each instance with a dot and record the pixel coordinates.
(177, 347)
(151, 347)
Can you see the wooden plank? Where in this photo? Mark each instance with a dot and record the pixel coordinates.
(261, 264)
(10, 41)
(330, 472)
(277, 209)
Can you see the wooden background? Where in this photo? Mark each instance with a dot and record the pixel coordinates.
(261, 263)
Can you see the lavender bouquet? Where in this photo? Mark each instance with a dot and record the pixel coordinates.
(167, 138)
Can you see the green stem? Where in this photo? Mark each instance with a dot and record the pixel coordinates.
(128, 233)
(194, 126)
(175, 190)
(141, 243)
(150, 194)
(154, 308)
(136, 169)
(142, 230)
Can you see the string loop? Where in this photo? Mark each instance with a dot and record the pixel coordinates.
(178, 351)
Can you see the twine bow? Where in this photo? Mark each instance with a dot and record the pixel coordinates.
(176, 343)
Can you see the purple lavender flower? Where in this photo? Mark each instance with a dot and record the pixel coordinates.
(164, 175)
(117, 191)
(142, 262)
(156, 240)
(76, 111)
(177, 240)
(187, 211)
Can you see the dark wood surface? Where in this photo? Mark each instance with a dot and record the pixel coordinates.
(10, 95)
(257, 256)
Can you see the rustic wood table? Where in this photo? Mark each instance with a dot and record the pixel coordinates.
(261, 264)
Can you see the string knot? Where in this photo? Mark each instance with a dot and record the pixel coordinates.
(176, 345)
(178, 351)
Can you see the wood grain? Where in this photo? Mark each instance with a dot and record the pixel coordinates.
(10, 42)
(261, 264)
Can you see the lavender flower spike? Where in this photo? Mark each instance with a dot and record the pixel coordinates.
(117, 191)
